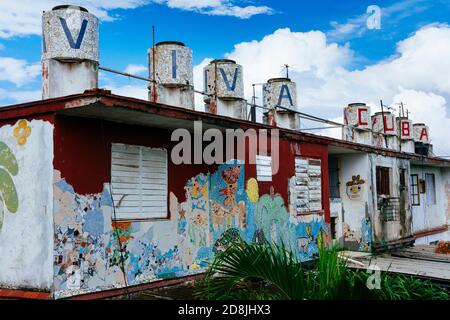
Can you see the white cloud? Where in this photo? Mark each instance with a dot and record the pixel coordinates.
(18, 71)
(199, 84)
(134, 91)
(417, 75)
(219, 8)
(136, 69)
(19, 95)
(23, 17)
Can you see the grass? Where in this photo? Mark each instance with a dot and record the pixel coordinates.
(270, 272)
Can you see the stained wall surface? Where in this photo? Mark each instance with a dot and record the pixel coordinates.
(26, 204)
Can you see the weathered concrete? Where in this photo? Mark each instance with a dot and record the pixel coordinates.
(27, 231)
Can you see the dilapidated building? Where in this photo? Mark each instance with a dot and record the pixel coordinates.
(92, 200)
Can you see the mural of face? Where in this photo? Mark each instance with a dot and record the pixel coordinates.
(355, 188)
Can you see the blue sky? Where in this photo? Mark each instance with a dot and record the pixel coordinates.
(327, 42)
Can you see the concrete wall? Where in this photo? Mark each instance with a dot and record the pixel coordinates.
(355, 200)
(209, 206)
(26, 221)
(385, 231)
(357, 211)
(430, 216)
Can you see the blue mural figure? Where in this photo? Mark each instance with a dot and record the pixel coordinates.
(72, 43)
(366, 235)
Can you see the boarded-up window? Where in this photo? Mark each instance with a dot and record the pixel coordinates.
(308, 185)
(383, 181)
(430, 188)
(139, 182)
(415, 195)
(263, 168)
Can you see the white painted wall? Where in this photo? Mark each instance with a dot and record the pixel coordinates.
(26, 238)
(426, 216)
(353, 210)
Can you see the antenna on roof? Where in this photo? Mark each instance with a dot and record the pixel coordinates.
(402, 108)
(154, 95)
(286, 66)
(252, 114)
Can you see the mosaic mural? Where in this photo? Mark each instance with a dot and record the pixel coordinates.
(90, 250)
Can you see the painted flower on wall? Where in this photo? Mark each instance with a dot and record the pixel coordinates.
(252, 190)
(8, 193)
(22, 131)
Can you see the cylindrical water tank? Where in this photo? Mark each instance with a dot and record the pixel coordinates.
(405, 128)
(357, 115)
(280, 92)
(171, 62)
(70, 33)
(421, 133)
(224, 78)
(386, 125)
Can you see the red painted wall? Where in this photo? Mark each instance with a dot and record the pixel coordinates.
(83, 152)
(83, 156)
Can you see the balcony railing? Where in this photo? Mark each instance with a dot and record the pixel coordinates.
(389, 208)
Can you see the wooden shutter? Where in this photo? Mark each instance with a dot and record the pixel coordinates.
(139, 181)
(308, 185)
(383, 180)
(263, 168)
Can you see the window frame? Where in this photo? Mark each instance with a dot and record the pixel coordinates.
(145, 216)
(430, 189)
(381, 174)
(333, 174)
(417, 186)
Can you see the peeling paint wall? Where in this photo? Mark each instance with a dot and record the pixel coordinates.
(362, 223)
(219, 207)
(354, 189)
(209, 206)
(26, 222)
(385, 231)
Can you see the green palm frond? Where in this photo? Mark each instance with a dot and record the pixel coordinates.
(240, 264)
(267, 271)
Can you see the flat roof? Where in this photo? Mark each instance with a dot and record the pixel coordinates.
(102, 104)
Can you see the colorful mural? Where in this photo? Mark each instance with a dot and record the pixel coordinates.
(218, 211)
(22, 131)
(26, 217)
(355, 188)
(8, 193)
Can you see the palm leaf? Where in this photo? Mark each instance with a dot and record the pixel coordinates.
(239, 264)
(8, 160)
(8, 191)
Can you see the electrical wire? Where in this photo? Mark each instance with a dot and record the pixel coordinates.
(301, 114)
